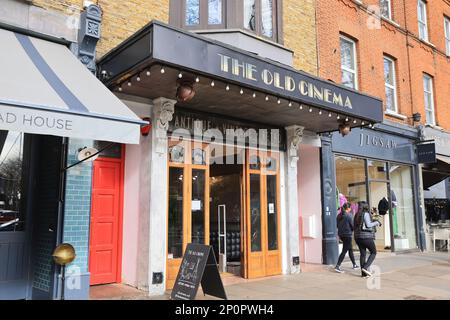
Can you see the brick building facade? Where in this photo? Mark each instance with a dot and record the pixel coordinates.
(396, 37)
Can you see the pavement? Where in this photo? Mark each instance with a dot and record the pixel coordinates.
(408, 276)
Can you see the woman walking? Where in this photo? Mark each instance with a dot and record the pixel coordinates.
(345, 233)
(365, 237)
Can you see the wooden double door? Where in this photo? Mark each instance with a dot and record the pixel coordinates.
(189, 208)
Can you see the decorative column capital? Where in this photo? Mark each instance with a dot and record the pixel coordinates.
(294, 138)
(163, 110)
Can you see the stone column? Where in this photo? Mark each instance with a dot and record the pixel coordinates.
(330, 249)
(294, 137)
(153, 200)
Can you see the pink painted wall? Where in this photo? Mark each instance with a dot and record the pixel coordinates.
(310, 202)
(131, 215)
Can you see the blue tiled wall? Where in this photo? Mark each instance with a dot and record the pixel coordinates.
(78, 204)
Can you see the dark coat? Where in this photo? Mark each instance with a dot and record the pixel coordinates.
(345, 225)
(383, 206)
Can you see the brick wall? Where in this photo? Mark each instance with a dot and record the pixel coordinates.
(123, 18)
(376, 38)
(78, 205)
(299, 26)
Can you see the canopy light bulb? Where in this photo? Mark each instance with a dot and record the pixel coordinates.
(212, 84)
(346, 119)
(310, 109)
(320, 112)
(329, 115)
(338, 117)
(254, 95)
(363, 123)
(163, 70)
(278, 101)
(267, 98)
(241, 92)
(120, 89)
(354, 121)
(290, 104)
(301, 107)
(138, 78)
(180, 75)
(148, 73)
(129, 83)
(227, 88)
(197, 79)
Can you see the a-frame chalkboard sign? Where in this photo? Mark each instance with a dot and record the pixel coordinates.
(198, 266)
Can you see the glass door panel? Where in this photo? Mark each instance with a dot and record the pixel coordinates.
(198, 206)
(402, 198)
(272, 213)
(255, 212)
(378, 193)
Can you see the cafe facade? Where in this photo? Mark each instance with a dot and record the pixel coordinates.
(219, 163)
(378, 165)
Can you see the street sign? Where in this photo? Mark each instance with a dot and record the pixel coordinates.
(198, 266)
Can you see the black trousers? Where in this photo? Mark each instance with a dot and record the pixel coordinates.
(364, 245)
(347, 247)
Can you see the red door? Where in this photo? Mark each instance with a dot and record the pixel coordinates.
(106, 222)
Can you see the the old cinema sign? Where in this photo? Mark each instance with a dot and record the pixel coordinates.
(284, 82)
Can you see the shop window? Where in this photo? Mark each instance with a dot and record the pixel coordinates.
(386, 9)
(350, 180)
(447, 35)
(390, 84)
(422, 19)
(175, 228)
(377, 170)
(12, 195)
(348, 63)
(402, 198)
(429, 99)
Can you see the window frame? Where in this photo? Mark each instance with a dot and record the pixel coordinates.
(420, 4)
(447, 34)
(203, 16)
(258, 18)
(344, 68)
(431, 94)
(389, 17)
(391, 86)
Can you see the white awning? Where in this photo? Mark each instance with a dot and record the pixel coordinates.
(45, 89)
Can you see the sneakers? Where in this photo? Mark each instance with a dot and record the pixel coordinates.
(366, 272)
(338, 269)
(355, 266)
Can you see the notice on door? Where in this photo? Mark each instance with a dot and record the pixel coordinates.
(271, 208)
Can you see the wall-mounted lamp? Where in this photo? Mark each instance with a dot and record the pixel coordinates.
(416, 117)
(344, 128)
(185, 90)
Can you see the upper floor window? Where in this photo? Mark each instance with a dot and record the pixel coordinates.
(348, 63)
(259, 17)
(386, 9)
(447, 35)
(422, 18)
(390, 85)
(203, 13)
(429, 99)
